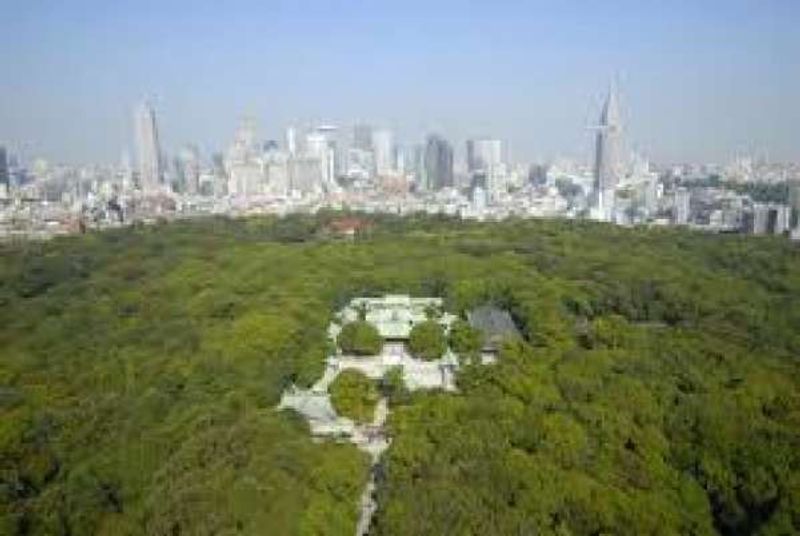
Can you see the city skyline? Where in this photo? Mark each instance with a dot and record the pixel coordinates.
(706, 82)
(381, 268)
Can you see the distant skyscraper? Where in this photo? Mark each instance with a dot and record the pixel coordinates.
(291, 141)
(245, 175)
(400, 159)
(147, 147)
(607, 163)
(362, 137)
(177, 176)
(219, 186)
(126, 171)
(383, 148)
(794, 203)
(305, 175)
(417, 166)
(761, 219)
(484, 154)
(316, 144)
(276, 167)
(783, 218)
(537, 174)
(682, 210)
(320, 147)
(485, 159)
(794, 193)
(189, 162)
(4, 175)
(438, 164)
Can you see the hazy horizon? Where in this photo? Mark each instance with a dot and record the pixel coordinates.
(698, 82)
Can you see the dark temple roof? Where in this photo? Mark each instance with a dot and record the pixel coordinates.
(495, 324)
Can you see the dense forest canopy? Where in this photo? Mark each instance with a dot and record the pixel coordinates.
(654, 390)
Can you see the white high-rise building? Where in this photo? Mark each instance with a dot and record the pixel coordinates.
(383, 149)
(316, 144)
(682, 210)
(243, 162)
(147, 148)
(276, 169)
(305, 175)
(485, 160)
(320, 146)
(190, 168)
(479, 200)
(608, 168)
(291, 141)
(761, 218)
(126, 172)
(783, 218)
(400, 159)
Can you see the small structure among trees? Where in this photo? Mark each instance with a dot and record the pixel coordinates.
(349, 227)
(495, 326)
(395, 315)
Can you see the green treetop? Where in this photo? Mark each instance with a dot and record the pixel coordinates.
(427, 340)
(353, 395)
(464, 339)
(360, 338)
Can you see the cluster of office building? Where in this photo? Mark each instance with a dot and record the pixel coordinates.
(364, 168)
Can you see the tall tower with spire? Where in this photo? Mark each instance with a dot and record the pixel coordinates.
(148, 151)
(608, 169)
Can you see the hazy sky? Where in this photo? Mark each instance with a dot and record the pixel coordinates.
(700, 80)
